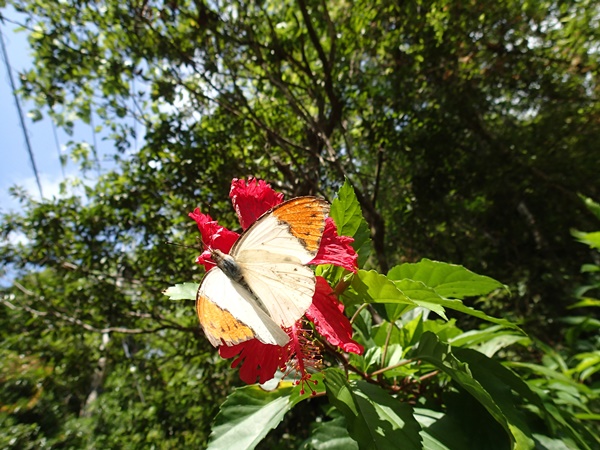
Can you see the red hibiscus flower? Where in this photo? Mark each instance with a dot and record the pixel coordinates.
(258, 360)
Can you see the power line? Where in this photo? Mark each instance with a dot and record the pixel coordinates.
(22, 120)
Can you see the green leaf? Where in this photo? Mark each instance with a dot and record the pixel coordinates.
(448, 280)
(560, 380)
(590, 268)
(439, 431)
(301, 392)
(347, 215)
(459, 306)
(489, 340)
(330, 435)
(248, 414)
(502, 383)
(586, 302)
(589, 364)
(183, 291)
(422, 295)
(549, 443)
(375, 419)
(591, 239)
(372, 287)
(497, 400)
(377, 288)
(35, 115)
(591, 205)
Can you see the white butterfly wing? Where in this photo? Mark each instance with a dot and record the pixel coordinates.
(272, 254)
(229, 313)
(283, 286)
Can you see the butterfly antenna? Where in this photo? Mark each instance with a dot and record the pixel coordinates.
(201, 244)
(195, 247)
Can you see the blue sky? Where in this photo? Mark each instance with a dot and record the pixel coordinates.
(15, 166)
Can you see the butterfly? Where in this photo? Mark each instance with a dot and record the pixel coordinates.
(263, 284)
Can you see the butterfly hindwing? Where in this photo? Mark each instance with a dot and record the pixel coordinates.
(229, 313)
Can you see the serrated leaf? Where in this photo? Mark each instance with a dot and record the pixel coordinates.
(422, 295)
(347, 215)
(459, 306)
(183, 291)
(375, 419)
(373, 287)
(448, 280)
(247, 416)
(377, 288)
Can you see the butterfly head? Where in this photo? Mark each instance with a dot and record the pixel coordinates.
(227, 264)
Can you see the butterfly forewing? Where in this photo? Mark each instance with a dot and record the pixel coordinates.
(292, 229)
(272, 254)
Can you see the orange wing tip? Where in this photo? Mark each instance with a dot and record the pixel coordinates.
(305, 217)
(219, 325)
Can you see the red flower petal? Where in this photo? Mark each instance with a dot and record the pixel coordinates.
(327, 313)
(256, 359)
(213, 236)
(336, 249)
(252, 199)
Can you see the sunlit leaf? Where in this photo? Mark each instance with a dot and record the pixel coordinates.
(183, 291)
(448, 280)
(347, 215)
(247, 415)
(592, 239)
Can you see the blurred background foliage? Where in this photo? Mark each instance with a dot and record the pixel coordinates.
(467, 129)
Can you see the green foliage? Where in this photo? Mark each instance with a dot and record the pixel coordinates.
(349, 220)
(426, 383)
(463, 133)
(248, 415)
(374, 419)
(183, 291)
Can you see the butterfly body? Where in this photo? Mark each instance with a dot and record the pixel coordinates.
(263, 284)
(227, 264)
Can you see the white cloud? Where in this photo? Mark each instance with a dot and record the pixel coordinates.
(51, 188)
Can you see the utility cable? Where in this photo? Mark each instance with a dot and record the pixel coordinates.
(22, 120)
